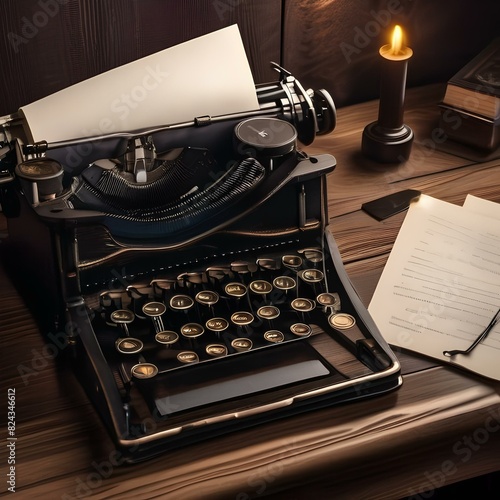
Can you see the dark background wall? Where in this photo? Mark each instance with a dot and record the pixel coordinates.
(42, 52)
(334, 43)
(47, 45)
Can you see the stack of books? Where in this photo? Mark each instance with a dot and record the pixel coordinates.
(470, 110)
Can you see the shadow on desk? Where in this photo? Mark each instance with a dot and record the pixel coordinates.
(486, 487)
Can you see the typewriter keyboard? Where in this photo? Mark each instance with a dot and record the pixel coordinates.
(199, 316)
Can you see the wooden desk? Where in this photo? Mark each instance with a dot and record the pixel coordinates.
(441, 426)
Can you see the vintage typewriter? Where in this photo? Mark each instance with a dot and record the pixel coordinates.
(192, 271)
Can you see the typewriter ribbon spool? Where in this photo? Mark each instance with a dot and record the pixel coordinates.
(265, 138)
(41, 179)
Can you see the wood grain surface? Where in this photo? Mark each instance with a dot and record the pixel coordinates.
(441, 426)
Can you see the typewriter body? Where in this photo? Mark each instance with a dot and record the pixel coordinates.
(192, 271)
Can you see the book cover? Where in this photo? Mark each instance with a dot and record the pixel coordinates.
(476, 87)
(470, 129)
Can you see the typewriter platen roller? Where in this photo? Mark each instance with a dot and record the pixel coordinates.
(193, 273)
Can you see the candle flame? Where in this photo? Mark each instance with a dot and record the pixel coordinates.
(397, 40)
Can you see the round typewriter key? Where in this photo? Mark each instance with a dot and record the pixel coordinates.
(239, 266)
(342, 321)
(293, 261)
(268, 263)
(190, 279)
(261, 287)
(109, 299)
(311, 275)
(301, 330)
(243, 267)
(192, 330)
(216, 274)
(217, 324)
(129, 345)
(303, 305)
(122, 316)
(139, 295)
(181, 302)
(242, 318)
(328, 299)
(274, 336)
(167, 337)
(207, 297)
(284, 283)
(235, 289)
(241, 345)
(188, 357)
(268, 312)
(144, 370)
(313, 255)
(162, 287)
(216, 350)
(154, 309)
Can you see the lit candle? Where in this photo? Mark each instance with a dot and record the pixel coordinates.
(393, 81)
(389, 140)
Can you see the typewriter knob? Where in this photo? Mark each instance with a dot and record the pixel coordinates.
(319, 115)
(326, 113)
(264, 138)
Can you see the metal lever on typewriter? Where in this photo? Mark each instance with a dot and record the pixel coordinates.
(312, 112)
(140, 157)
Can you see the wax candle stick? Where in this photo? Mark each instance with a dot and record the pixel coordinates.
(393, 81)
(388, 140)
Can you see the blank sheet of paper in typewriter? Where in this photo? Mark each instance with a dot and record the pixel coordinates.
(209, 75)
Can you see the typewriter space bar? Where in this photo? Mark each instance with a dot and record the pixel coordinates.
(244, 380)
(244, 386)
